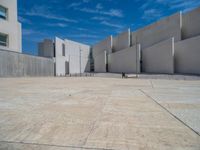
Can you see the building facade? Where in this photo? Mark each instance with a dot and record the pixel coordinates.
(10, 28)
(70, 57)
(170, 46)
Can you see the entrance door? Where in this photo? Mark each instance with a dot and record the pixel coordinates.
(66, 68)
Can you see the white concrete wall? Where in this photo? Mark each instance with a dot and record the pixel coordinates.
(127, 60)
(159, 31)
(60, 60)
(79, 56)
(191, 24)
(76, 54)
(105, 45)
(121, 41)
(187, 56)
(159, 58)
(100, 63)
(11, 27)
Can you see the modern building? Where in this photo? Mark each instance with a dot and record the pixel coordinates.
(10, 28)
(170, 45)
(70, 57)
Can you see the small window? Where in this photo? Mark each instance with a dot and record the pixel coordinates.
(3, 13)
(3, 39)
(63, 49)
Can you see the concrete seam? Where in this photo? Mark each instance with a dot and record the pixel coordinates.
(170, 112)
(94, 123)
(54, 145)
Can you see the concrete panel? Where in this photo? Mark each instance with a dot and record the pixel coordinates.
(159, 31)
(105, 45)
(74, 64)
(122, 41)
(159, 58)
(17, 65)
(76, 54)
(85, 64)
(127, 60)
(187, 56)
(60, 59)
(191, 24)
(100, 63)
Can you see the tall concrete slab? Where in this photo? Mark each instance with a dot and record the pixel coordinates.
(187, 56)
(121, 41)
(60, 59)
(76, 56)
(105, 45)
(159, 58)
(79, 56)
(14, 64)
(100, 63)
(159, 31)
(127, 60)
(191, 24)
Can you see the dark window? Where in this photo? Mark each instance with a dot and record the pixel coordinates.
(63, 49)
(3, 39)
(3, 13)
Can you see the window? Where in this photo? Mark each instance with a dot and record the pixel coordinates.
(63, 49)
(3, 39)
(3, 13)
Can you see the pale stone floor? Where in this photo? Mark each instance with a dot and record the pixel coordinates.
(99, 113)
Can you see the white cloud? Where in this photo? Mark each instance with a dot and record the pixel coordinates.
(24, 20)
(99, 6)
(44, 12)
(28, 31)
(151, 14)
(57, 25)
(72, 5)
(183, 5)
(83, 36)
(99, 18)
(111, 12)
(111, 24)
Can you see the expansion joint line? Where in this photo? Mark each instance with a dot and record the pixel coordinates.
(169, 112)
(52, 145)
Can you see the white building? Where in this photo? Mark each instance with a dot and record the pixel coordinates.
(10, 28)
(70, 57)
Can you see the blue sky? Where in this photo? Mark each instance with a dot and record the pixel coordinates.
(89, 21)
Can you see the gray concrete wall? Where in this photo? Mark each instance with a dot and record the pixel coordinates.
(100, 63)
(159, 58)
(105, 45)
(191, 24)
(127, 60)
(46, 48)
(187, 56)
(17, 65)
(122, 41)
(159, 31)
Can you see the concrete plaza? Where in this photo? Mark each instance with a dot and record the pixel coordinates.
(99, 113)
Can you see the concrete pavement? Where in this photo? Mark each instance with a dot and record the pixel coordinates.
(99, 113)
